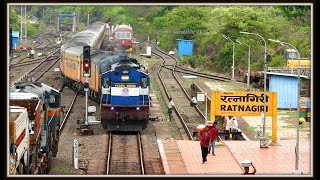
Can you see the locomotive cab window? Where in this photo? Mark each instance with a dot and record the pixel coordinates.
(144, 82)
(108, 67)
(123, 35)
(54, 101)
(106, 82)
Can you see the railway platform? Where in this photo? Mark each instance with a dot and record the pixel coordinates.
(190, 162)
(184, 158)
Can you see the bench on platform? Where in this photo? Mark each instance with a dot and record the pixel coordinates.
(236, 135)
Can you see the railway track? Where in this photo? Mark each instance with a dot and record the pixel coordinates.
(188, 117)
(42, 68)
(39, 70)
(125, 155)
(35, 61)
(184, 107)
(44, 42)
(203, 75)
(68, 93)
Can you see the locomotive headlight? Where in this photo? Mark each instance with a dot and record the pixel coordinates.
(138, 108)
(122, 41)
(112, 108)
(42, 149)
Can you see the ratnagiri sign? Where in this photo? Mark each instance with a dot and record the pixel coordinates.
(238, 103)
(242, 103)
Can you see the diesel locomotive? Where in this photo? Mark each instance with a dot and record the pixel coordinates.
(117, 81)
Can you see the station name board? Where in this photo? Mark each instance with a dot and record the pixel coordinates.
(242, 103)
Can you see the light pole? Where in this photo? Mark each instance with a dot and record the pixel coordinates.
(228, 38)
(249, 56)
(88, 17)
(298, 102)
(265, 80)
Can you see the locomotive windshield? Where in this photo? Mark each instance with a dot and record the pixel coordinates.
(123, 35)
(106, 82)
(144, 82)
(54, 100)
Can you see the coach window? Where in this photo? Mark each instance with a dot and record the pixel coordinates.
(106, 83)
(143, 82)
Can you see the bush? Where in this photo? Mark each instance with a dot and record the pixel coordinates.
(191, 60)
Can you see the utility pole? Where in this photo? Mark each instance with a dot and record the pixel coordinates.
(88, 17)
(23, 27)
(296, 171)
(228, 38)
(264, 81)
(248, 76)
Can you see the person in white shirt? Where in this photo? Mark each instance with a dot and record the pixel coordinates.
(32, 53)
(235, 123)
(170, 107)
(229, 126)
(193, 101)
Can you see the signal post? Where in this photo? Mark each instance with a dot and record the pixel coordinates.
(84, 128)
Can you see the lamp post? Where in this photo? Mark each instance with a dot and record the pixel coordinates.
(265, 80)
(298, 103)
(249, 56)
(228, 38)
(88, 17)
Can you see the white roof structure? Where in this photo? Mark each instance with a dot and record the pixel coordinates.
(23, 95)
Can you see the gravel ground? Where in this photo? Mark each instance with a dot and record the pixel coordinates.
(90, 146)
(152, 159)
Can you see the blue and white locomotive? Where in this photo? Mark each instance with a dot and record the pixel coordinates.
(117, 81)
(124, 95)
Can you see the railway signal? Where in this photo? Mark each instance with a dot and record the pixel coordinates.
(86, 61)
(86, 86)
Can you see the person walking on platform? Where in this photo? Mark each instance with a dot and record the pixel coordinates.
(205, 142)
(214, 136)
(246, 170)
(170, 108)
(193, 101)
